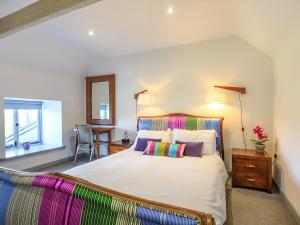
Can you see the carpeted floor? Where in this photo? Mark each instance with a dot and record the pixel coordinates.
(248, 207)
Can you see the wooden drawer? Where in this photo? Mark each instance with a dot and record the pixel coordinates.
(119, 145)
(251, 169)
(259, 167)
(116, 149)
(251, 180)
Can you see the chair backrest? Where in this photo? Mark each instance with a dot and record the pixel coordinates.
(84, 133)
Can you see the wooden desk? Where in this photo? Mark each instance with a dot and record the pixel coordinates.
(97, 131)
(100, 130)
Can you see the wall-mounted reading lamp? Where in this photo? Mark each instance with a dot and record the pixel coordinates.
(240, 90)
(142, 98)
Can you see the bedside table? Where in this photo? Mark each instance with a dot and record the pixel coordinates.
(252, 169)
(117, 146)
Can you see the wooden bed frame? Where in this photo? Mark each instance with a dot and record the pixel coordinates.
(15, 186)
(183, 115)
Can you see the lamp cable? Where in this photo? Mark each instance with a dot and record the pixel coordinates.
(136, 109)
(242, 122)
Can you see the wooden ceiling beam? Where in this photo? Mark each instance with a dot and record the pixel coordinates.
(38, 12)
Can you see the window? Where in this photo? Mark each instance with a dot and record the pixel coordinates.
(22, 122)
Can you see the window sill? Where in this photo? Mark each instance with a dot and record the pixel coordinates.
(16, 153)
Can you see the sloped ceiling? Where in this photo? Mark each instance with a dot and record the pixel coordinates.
(128, 26)
(10, 6)
(44, 54)
(266, 23)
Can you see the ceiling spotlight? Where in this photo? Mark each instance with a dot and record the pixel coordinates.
(91, 33)
(170, 10)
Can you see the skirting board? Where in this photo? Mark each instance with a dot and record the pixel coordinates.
(54, 163)
(291, 208)
(50, 164)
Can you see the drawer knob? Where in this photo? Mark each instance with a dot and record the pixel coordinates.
(250, 166)
(250, 179)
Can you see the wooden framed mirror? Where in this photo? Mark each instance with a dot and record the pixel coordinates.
(100, 100)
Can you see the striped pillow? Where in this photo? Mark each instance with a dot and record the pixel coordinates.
(164, 149)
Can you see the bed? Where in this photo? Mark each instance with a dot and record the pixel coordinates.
(137, 189)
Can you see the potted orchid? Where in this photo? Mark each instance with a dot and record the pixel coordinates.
(261, 138)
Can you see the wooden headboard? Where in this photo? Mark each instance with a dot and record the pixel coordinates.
(184, 121)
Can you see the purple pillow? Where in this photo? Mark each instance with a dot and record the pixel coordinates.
(192, 148)
(141, 143)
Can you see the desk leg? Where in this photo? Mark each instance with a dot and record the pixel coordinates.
(97, 145)
(109, 142)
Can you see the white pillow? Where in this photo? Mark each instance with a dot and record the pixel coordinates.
(164, 135)
(208, 137)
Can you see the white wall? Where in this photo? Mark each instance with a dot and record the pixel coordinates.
(179, 79)
(35, 66)
(23, 83)
(52, 123)
(287, 116)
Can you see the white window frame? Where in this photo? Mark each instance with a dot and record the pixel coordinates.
(23, 104)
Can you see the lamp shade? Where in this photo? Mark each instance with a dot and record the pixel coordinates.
(145, 99)
(214, 96)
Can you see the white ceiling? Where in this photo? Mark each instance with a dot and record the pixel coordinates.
(44, 54)
(10, 6)
(266, 23)
(128, 26)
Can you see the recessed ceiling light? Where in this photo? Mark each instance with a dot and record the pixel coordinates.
(170, 10)
(91, 33)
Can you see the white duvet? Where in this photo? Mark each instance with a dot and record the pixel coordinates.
(189, 182)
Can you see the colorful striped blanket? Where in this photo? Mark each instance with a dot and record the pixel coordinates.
(58, 199)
